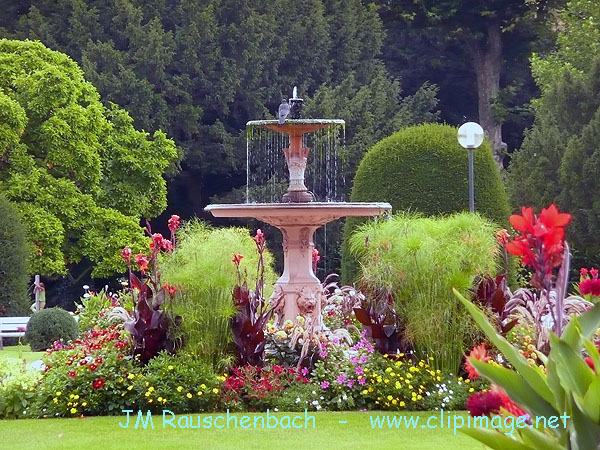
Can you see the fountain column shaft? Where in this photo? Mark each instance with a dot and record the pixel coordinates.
(298, 284)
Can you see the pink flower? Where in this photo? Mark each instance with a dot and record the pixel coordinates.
(594, 273)
(350, 384)
(324, 384)
(359, 370)
(237, 258)
(174, 222)
(583, 272)
(315, 255)
(126, 254)
(362, 380)
(259, 238)
(590, 286)
(341, 379)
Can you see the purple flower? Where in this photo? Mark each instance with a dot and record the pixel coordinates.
(362, 359)
(341, 378)
(354, 360)
(323, 354)
(324, 384)
(362, 381)
(304, 371)
(359, 370)
(350, 384)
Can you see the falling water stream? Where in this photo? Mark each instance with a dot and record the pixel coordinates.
(267, 176)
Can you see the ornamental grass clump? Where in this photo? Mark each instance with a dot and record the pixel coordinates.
(201, 268)
(419, 260)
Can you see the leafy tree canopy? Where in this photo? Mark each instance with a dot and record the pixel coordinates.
(79, 172)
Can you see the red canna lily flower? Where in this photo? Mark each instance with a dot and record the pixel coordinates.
(479, 353)
(142, 261)
(551, 218)
(484, 403)
(583, 272)
(590, 286)
(524, 222)
(237, 258)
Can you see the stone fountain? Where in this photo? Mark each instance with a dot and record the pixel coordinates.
(298, 291)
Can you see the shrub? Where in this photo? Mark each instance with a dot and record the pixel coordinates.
(17, 388)
(179, 383)
(49, 325)
(94, 375)
(201, 267)
(419, 260)
(424, 169)
(13, 262)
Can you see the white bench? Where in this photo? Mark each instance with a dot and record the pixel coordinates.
(12, 327)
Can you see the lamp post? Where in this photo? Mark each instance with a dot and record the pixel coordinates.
(470, 136)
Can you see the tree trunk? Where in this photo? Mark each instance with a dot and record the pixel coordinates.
(487, 62)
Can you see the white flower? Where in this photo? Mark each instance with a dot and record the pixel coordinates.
(318, 407)
(86, 295)
(315, 403)
(85, 287)
(298, 400)
(275, 409)
(345, 397)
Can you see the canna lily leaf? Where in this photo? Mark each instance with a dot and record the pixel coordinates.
(574, 373)
(540, 440)
(515, 386)
(534, 378)
(587, 432)
(496, 440)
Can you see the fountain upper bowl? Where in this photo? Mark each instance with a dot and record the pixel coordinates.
(295, 126)
(309, 214)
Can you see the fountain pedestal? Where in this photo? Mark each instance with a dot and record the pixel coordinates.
(298, 287)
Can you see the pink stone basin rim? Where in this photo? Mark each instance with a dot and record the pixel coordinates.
(314, 213)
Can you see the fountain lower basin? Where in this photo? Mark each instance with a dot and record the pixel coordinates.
(298, 291)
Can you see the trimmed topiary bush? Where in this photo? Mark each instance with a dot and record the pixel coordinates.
(424, 169)
(420, 260)
(49, 325)
(14, 300)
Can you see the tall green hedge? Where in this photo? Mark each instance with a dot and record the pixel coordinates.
(424, 169)
(13, 262)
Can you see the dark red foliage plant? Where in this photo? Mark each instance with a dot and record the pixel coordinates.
(150, 326)
(252, 311)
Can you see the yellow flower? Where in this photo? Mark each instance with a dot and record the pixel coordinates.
(397, 385)
(419, 397)
(270, 328)
(386, 381)
(394, 402)
(164, 401)
(281, 334)
(130, 387)
(150, 401)
(179, 388)
(84, 404)
(402, 404)
(299, 329)
(55, 400)
(385, 356)
(203, 386)
(151, 388)
(147, 383)
(389, 397)
(188, 395)
(471, 390)
(288, 324)
(439, 378)
(365, 392)
(215, 390)
(388, 370)
(467, 380)
(73, 411)
(370, 389)
(421, 364)
(58, 393)
(159, 399)
(147, 394)
(170, 367)
(199, 393)
(76, 397)
(72, 395)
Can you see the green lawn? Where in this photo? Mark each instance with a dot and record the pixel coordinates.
(328, 434)
(20, 352)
